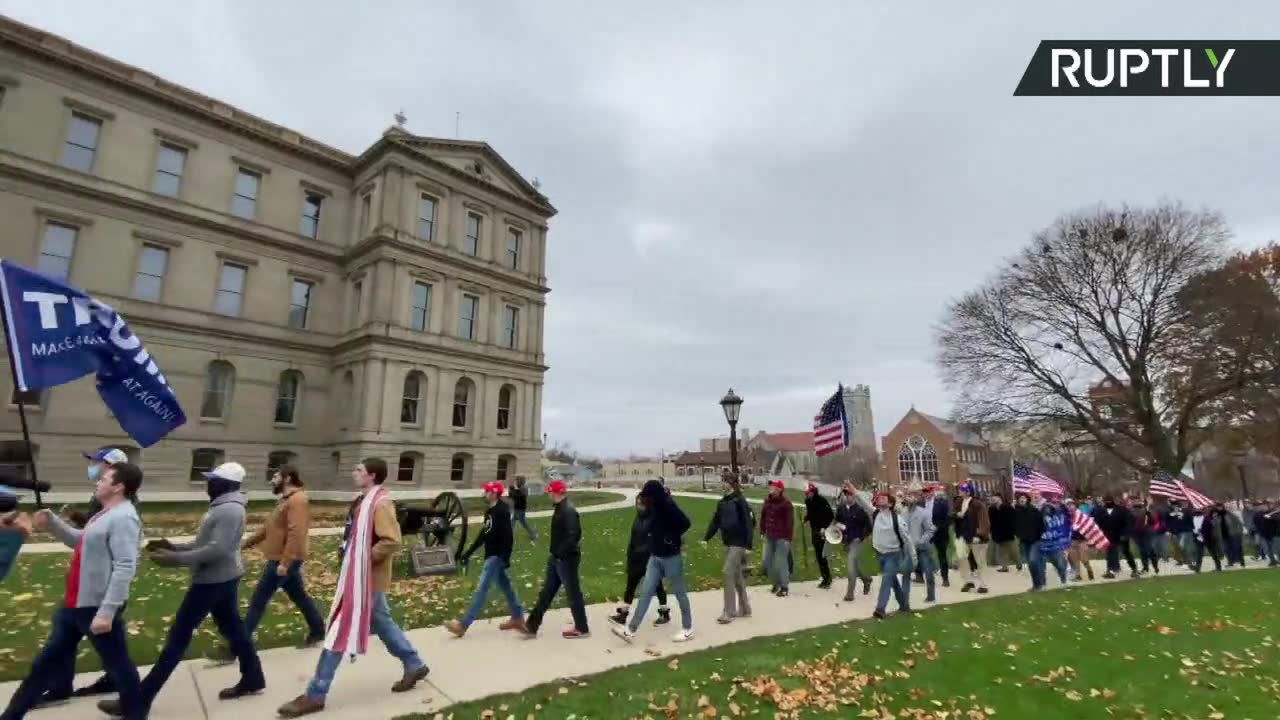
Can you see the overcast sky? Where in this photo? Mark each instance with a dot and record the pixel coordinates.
(775, 197)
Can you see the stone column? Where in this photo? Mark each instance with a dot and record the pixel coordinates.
(374, 380)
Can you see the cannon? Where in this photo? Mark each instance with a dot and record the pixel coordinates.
(442, 525)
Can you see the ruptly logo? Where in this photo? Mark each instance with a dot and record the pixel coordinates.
(1146, 67)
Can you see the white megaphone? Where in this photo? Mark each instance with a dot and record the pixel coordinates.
(834, 534)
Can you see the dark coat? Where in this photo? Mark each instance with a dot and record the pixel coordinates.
(974, 524)
(817, 512)
(668, 522)
(638, 548)
(1028, 523)
(733, 520)
(1115, 524)
(856, 521)
(566, 531)
(1002, 523)
(519, 498)
(497, 535)
(777, 520)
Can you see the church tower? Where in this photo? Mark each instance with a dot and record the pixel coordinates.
(857, 405)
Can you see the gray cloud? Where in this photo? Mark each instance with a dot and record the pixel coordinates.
(771, 197)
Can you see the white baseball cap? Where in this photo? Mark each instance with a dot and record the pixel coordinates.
(231, 471)
(110, 456)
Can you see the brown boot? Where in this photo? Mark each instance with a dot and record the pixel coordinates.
(456, 628)
(514, 623)
(410, 679)
(299, 706)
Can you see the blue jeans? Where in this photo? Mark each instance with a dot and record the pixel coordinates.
(1273, 549)
(70, 625)
(494, 570)
(384, 626)
(896, 578)
(927, 567)
(1192, 550)
(1056, 558)
(293, 586)
(518, 517)
(776, 555)
(561, 571)
(670, 569)
(1036, 563)
(222, 601)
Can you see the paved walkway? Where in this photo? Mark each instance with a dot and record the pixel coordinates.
(488, 661)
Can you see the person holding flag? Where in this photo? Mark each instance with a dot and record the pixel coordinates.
(1078, 553)
(1053, 544)
(360, 600)
(498, 536)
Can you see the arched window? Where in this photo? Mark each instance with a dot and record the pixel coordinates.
(407, 470)
(415, 384)
(287, 392)
(506, 467)
(917, 461)
(506, 406)
(219, 382)
(462, 393)
(460, 469)
(204, 460)
(277, 458)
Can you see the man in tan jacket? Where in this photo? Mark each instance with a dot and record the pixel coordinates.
(283, 540)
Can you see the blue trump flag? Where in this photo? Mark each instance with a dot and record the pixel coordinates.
(58, 333)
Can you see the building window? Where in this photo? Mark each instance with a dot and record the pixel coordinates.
(461, 402)
(311, 214)
(366, 210)
(148, 282)
(357, 295)
(56, 249)
(287, 396)
(467, 319)
(407, 469)
(460, 469)
(510, 326)
(513, 248)
(244, 202)
(170, 162)
(917, 461)
(278, 459)
(219, 382)
(82, 142)
(411, 399)
(506, 403)
(426, 217)
(300, 303)
(506, 466)
(204, 460)
(230, 299)
(471, 242)
(420, 307)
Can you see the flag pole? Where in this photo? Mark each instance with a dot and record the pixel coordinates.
(17, 396)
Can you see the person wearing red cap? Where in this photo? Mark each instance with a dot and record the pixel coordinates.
(498, 536)
(562, 567)
(777, 524)
(818, 515)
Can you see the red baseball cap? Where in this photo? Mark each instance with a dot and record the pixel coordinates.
(811, 488)
(880, 496)
(494, 487)
(778, 484)
(557, 487)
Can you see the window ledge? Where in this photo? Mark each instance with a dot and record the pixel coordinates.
(285, 426)
(213, 421)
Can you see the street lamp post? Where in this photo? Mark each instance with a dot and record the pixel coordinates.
(732, 405)
(1242, 463)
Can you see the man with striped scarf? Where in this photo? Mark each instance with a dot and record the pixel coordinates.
(360, 600)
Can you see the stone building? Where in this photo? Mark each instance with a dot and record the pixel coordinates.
(857, 407)
(308, 305)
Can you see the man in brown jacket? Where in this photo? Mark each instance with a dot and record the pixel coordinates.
(283, 540)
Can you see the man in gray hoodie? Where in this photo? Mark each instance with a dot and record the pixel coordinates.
(101, 570)
(214, 559)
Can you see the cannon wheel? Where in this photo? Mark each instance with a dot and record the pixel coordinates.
(449, 505)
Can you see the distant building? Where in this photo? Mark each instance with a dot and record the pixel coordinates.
(752, 461)
(721, 442)
(637, 469)
(857, 406)
(796, 455)
(924, 448)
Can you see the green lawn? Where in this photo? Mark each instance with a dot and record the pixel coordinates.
(1184, 647)
(30, 594)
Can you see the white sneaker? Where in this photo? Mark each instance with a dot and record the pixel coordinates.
(623, 632)
(683, 636)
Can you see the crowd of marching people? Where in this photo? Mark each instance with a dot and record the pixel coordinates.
(913, 536)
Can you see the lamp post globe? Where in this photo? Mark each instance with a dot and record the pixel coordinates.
(731, 403)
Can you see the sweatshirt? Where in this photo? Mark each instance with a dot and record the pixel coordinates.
(920, 525)
(106, 558)
(667, 524)
(777, 519)
(214, 557)
(497, 535)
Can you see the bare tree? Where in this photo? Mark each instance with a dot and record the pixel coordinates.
(856, 463)
(1094, 297)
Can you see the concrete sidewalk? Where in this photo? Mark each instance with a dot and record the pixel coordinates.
(488, 661)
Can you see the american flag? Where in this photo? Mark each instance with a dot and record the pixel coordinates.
(1166, 485)
(1090, 531)
(831, 425)
(1027, 480)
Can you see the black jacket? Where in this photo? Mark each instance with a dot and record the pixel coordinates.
(817, 512)
(638, 548)
(733, 520)
(941, 515)
(1268, 523)
(1178, 521)
(566, 532)
(1002, 523)
(1028, 523)
(496, 534)
(856, 521)
(519, 498)
(668, 523)
(1116, 524)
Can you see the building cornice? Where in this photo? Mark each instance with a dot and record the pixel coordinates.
(370, 340)
(396, 241)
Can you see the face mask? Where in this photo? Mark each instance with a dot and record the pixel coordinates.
(94, 472)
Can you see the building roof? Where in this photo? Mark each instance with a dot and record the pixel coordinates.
(789, 442)
(959, 432)
(746, 456)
